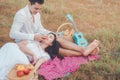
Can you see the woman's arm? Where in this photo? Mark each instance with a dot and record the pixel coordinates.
(23, 47)
(39, 62)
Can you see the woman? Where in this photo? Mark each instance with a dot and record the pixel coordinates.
(10, 54)
(47, 44)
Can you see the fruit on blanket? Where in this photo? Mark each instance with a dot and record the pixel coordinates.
(20, 67)
(26, 71)
(20, 73)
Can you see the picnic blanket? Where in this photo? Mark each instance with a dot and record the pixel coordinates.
(57, 68)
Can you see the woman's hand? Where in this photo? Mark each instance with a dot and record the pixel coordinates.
(35, 75)
(34, 59)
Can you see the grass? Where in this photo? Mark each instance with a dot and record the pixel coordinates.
(97, 19)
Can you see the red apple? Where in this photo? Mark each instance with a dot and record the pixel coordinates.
(20, 73)
(26, 71)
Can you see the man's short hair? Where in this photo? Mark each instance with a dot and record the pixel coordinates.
(38, 1)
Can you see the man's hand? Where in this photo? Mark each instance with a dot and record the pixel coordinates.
(39, 37)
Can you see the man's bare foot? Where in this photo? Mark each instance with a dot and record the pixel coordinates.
(91, 47)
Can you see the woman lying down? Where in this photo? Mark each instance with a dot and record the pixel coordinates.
(36, 53)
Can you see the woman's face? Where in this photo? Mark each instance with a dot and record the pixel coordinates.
(49, 40)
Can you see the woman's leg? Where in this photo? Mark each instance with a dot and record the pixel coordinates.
(90, 49)
(67, 52)
(69, 45)
(72, 46)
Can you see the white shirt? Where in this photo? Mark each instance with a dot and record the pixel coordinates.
(24, 28)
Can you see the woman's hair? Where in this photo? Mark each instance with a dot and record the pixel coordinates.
(53, 50)
(38, 1)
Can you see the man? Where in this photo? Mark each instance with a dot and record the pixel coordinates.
(27, 26)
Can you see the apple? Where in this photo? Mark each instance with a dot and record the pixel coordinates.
(20, 73)
(26, 71)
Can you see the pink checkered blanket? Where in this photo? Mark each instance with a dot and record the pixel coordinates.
(57, 68)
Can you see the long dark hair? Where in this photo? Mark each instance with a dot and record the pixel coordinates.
(38, 1)
(53, 50)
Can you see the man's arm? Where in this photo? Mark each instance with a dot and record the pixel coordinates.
(18, 23)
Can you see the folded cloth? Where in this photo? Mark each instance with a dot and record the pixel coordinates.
(57, 68)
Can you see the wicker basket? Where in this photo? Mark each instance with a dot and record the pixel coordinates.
(66, 30)
(13, 76)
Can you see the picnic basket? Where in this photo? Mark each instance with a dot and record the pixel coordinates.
(65, 30)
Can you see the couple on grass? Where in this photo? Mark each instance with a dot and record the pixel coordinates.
(35, 44)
